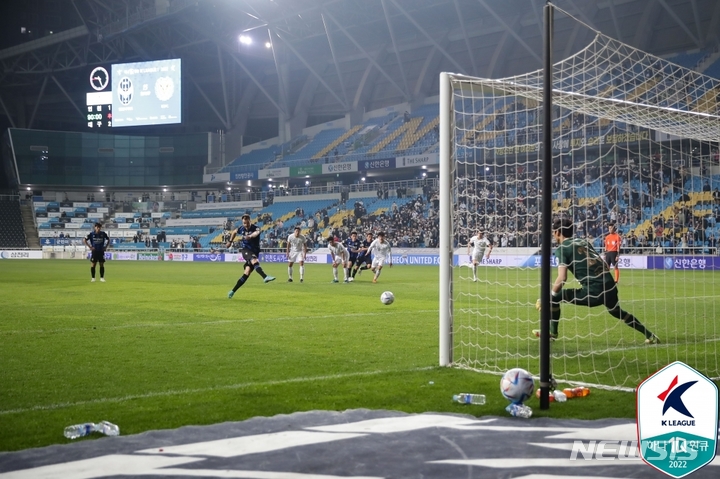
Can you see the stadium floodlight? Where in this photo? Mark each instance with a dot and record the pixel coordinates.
(102, 190)
(245, 40)
(268, 45)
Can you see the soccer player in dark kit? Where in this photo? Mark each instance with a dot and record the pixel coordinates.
(250, 250)
(364, 260)
(98, 242)
(597, 285)
(353, 245)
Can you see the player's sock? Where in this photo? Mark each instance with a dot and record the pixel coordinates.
(290, 272)
(92, 271)
(354, 272)
(260, 271)
(102, 271)
(377, 273)
(633, 322)
(335, 273)
(240, 282)
(302, 272)
(345, 273)
(474, 271)
(617, 275)
(554, 318)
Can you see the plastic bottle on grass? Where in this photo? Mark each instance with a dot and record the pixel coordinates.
(578, 392)
(85, 429)
(467, 398)
(519, 410)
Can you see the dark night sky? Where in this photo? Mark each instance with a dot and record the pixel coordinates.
(39, 17)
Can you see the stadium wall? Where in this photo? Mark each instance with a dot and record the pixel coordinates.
(414, 257)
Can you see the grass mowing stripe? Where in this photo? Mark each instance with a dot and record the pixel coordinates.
(204, 323)
(214, 388)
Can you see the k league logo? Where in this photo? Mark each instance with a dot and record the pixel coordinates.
(677, 416)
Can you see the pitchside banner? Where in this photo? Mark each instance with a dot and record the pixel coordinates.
(178, 256)
(697, 263)
(212, 257)
(20, 254)
(282, 258)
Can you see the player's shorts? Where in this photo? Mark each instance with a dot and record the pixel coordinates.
(367, 259)
(296, 257)
(608, 296)
(249, 256)
(353, 258)
(611, 258)
(378, 261)
(478, 257)
(97, 256)
(339, 260)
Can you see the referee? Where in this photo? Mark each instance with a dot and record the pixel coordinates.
(612, 250)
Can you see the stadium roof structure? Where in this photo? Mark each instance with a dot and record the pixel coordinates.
(325, 58)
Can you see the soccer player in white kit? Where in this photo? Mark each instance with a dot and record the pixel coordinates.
(340, 256)
(296, 251)
(383, 253)
(478, 243)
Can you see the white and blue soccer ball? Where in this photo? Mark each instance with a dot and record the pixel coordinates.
(517, 385)
(387, 298)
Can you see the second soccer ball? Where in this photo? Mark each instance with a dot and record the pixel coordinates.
(517, 385)
(387, 298)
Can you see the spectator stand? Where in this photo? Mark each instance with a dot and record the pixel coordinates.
(12, 233)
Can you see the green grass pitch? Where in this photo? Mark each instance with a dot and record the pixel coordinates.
(160, 346)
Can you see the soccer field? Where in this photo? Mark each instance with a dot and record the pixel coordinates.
(159, 346)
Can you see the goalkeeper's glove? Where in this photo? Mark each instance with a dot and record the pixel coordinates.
(553, 297)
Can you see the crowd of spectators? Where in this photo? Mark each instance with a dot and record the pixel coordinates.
(507, 205)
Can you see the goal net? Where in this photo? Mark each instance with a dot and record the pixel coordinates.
(635, 144)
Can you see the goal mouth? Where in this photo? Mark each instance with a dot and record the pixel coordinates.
(635, 143)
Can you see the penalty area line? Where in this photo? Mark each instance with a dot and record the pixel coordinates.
(228, 387)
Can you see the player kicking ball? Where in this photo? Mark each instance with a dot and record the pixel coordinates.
(250, 250)
(364, 260)
(597, 284)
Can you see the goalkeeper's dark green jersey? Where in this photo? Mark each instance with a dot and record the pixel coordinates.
(585, 264)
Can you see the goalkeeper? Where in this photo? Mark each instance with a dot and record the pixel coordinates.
(597, 284)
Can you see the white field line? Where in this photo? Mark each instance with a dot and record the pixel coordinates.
(209, 323)
(180, 392)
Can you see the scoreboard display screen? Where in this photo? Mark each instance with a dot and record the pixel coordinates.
(99, 99)
(146, 93)
(134, 94)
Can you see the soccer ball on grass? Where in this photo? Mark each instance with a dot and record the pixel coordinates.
(517, 385)
(387, 298)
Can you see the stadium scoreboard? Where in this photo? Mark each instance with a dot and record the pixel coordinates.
(99, 99)
(134, 94)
